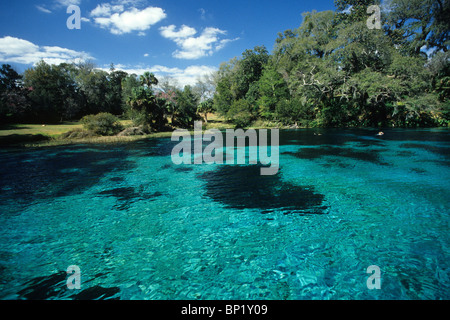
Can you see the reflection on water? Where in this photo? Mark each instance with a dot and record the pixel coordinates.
(140, 227)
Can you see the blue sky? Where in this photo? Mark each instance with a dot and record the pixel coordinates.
(182, 39)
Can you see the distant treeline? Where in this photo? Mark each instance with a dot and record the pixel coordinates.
(332, 71)
(336, 71)
(54, 93)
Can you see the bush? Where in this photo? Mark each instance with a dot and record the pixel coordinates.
(77, 134)
(241, 114)
(292, 111)
(104, 124)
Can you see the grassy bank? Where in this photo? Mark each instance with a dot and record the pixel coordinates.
(50, 135)
(46, 135)
(43, 135)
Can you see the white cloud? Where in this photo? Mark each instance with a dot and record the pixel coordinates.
(68, 2)
(43, 9)
(15, 50)
(192, 47)
(184, 32)
(181, 77)
(119, 20)
(106, 9)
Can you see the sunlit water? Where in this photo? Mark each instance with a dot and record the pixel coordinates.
(140, 227)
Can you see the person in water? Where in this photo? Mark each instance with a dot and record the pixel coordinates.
(381, 133)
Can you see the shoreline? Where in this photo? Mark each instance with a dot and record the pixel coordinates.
(40, 140)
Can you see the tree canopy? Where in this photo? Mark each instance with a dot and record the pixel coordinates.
(335, 71)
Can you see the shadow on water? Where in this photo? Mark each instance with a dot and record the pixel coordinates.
(57, 172)
(334, 137)
(443, 151)
(364, 137)
(371, 155)
(243, 187)
(55, 287)
(128, 195)
(19, 139)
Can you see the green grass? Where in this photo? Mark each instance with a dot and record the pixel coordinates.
(50, 130)
(44, 135)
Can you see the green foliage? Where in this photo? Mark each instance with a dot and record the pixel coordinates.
(78, 133)
(271, 88)
(241, 113)
(103, 124)
(52, 91)
(186, 108)
(351, 11)
(9, 78)
(419, 23)
(335, 71)
(223, 97)
(206, 107)
(296, 110)
(146, 110)
(14, 102)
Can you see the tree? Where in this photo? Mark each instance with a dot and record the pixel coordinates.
(439, 67)
(186, 112)
(241, 113)
(223, 98)
(206, 107)
(204, 87)
(114, 91)
(148, 111)
(14, 104)
(248, 70)
(9, 78)
(419, 24)
(272, 89)
(94, 87)
(148, 79)
(52, 91)
(129, 83)
(351, 11)
(168, 87)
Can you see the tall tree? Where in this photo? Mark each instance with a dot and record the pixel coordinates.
(187, 103)
(419, 24)
(14, 103)
(148, 79)
(52, 91)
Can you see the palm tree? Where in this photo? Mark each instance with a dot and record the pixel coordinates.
(148, 79)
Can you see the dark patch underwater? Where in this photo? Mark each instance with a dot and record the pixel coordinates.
(54, 286)
(243, 187)
(371, 156)
(126, 196)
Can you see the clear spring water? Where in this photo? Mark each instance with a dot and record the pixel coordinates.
(140, 227)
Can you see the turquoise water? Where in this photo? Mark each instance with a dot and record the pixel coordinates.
(140, 227)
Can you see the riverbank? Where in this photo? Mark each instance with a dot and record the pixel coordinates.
(25, 135)
(43, 135)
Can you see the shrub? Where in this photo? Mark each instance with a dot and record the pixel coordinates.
(104, 124)
(241, 113)
(296, 110)
(77, 134)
